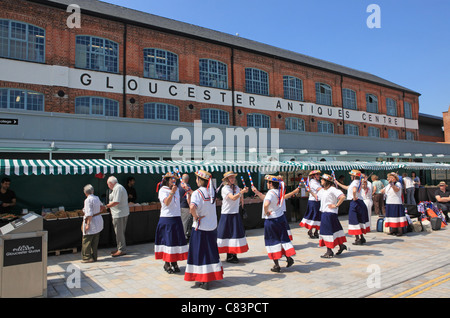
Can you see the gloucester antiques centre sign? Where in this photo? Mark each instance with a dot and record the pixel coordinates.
(33, 73)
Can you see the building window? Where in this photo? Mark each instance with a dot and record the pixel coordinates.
(323, 94)
(293, 88)
(372, 103)
(391, 107)
(22, 41)
(256, 81)
(408, 110)
(214, 116)
(258, 121)
(374, 132)
(325, 127)
(97, 106)
(96, 54)
(296, 124)
(349, 98)
(409, 135)
(392, 134)
(352, 130)
(213, 73)
(161, 112)
(21, 99)
(160, 64)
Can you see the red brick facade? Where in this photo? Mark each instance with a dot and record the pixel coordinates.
(60, 50)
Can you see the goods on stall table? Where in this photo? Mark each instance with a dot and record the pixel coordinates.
(8, 217)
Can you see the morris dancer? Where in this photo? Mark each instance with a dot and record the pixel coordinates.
(331, 231)
(276, 238)
(395, 213)
(358, 217)
(203, 264)
(170, 241)
(230, 232)
(311, 220)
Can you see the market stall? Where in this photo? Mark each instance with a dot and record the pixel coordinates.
(54, 188)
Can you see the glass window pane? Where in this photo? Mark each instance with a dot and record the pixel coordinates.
(96, 54)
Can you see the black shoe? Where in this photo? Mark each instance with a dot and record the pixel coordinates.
(168, 269)
(276, 269)
(341, 249)
(316, 235)
(327, 255)
(358, 242)
(290, 261)
(233, 259)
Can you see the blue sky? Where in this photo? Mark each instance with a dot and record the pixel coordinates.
(412, 47)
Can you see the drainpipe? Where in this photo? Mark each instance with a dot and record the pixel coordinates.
(124, 93)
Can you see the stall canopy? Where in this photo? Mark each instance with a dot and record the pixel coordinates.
(106, 166)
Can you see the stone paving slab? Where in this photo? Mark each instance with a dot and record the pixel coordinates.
(381, 268)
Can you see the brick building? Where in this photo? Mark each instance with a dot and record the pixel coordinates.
(145, 73)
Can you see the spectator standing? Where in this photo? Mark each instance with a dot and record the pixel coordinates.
(118, 204)
(409, 189)
(92, 225)
(378, 197)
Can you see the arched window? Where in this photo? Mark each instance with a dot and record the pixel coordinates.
(161, 111)
(160, 64)
(22, 41)
(258, 121)
(325, 127)
(11, 98)
(214, 116)
(256, 81)
(296, 124)
(372, 103)
(293, 88)
(349, 98)
(391, 107)
(213, 73)
(97, 54)
(323, 94)
(97, 106)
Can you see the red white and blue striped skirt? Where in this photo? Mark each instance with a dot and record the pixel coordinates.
(331, 232)
(311, 220)
(276, 238)
(203, 263)
(231, 234)
(170, 241)
(395, 216)
(358, 218)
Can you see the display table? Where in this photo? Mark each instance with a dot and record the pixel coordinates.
(66, 233)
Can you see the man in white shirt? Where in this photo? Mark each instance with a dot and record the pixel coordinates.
(409, 189)
(118, 203)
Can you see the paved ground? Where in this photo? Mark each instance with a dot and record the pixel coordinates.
(415, 265)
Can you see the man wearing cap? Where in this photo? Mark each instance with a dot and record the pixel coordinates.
(443, 199)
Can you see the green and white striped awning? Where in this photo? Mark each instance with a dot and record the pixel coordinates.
(108, 167)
